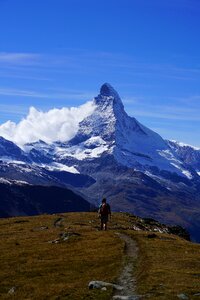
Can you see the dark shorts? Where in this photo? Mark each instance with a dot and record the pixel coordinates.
(104, 219)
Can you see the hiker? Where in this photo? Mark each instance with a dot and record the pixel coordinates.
(104, 211)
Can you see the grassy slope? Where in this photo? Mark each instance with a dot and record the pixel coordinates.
(167, 265)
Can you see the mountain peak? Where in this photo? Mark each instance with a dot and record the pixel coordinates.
(109, 97)
(107, 90)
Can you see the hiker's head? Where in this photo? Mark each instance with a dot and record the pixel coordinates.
(104, 200)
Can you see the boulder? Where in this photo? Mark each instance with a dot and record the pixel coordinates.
(96, 284)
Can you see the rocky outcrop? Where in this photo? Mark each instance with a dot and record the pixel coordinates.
(153, 226)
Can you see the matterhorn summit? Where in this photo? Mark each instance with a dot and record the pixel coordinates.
(108, 96)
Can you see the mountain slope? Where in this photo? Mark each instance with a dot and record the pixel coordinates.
(19, 198)
(10, 151)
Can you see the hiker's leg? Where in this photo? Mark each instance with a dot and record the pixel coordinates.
(105, 226)
(102, 224)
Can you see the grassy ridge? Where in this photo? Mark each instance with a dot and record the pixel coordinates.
(167, 266)
(41, 269)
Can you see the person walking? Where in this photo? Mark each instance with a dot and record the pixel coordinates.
(104, 211)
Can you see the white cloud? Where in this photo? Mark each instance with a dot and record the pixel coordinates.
(19, 58)
(46, 94)
(53, 125)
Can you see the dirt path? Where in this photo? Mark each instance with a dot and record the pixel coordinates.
(126, 279)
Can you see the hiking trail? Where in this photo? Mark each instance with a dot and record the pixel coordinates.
(126, 278)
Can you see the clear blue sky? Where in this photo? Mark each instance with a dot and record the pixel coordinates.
(56, 53)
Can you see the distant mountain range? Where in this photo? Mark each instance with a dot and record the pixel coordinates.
(112, 155)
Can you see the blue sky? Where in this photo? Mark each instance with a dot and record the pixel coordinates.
(57, 53)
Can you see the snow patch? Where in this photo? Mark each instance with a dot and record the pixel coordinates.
(60, 167)
(95, 141)
(3, 180)
(91, 148)
(187, 174)
(80, 152)
(9, 160)
(11, 182)
(156, 177)
(184, 145)
(183, 171)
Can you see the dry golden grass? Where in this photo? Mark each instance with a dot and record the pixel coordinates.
(166, 266)
(42, 270)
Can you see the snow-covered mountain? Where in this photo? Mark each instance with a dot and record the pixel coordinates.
(107, 130)
(10, 151)
(114, 155)
(189, 154)
(110, 130)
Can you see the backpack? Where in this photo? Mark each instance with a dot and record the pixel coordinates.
(104, 209)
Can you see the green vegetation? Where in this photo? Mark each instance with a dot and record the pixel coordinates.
(40, 264)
